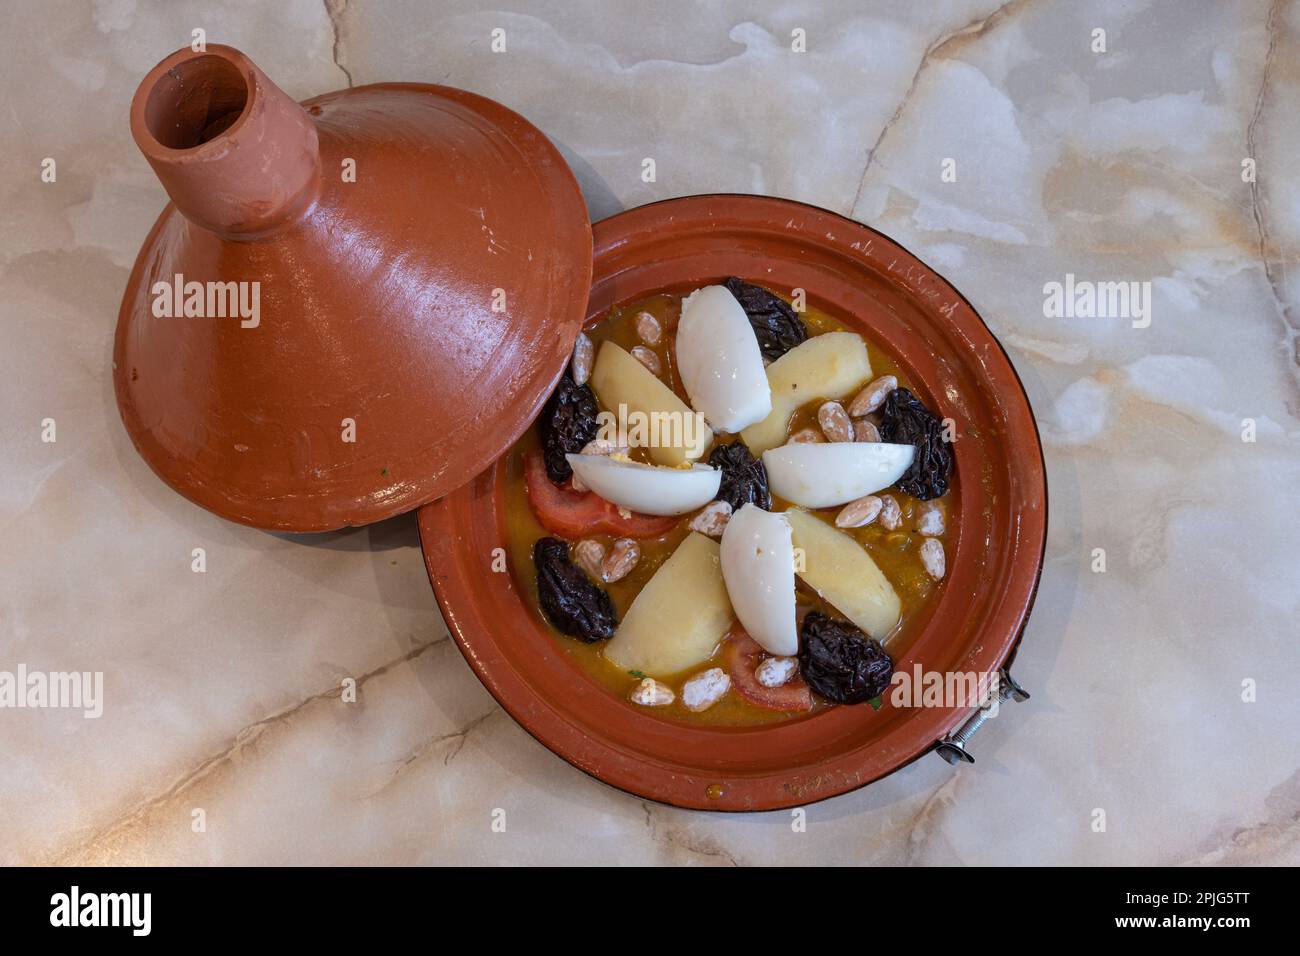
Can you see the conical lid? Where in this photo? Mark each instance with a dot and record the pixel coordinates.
(350, 307)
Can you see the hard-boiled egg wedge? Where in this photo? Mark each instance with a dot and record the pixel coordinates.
(758, 567)
(719, 361)
(649, 489)
(824, 474)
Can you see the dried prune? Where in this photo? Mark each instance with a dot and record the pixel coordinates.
(744, 479)
(904, 420)
(568, 598)
(568, 422)
(775, 323)
(840, 662)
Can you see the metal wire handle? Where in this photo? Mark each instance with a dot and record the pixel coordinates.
(952, 747)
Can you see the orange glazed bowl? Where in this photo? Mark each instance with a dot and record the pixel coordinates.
(996, 537)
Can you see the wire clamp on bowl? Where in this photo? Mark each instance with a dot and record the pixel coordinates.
(952, 747)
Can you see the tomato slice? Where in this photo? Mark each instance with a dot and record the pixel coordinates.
(574, 514)
(742, 655)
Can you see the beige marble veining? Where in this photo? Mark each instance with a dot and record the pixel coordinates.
(222, 689)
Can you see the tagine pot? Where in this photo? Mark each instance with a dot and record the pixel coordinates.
(351, 306)
(996, 538)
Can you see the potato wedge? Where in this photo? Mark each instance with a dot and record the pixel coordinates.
(824, 367)
(840, 570)
(674, 433)
(680, 615)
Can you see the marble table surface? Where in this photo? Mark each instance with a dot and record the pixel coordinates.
(1164, 688)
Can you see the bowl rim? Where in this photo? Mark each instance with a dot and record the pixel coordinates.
(605, 762)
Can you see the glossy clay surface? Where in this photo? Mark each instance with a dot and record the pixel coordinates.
(867, 282)
(376, 296)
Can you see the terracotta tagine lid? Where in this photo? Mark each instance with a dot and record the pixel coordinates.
(351, 306)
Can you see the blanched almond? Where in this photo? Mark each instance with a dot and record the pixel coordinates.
(776, 671)
(712, 519)
(705, 689)
(835, 422)
(584, 355)
(891, 515)
(930, 521)
(807, 436)
(648, 329)
(622, 558)
(647, 358)
(599, 446)
(651, 693)
(588, 554)
(859, 513)
(864, 430)
(933, 558)
(873, 396)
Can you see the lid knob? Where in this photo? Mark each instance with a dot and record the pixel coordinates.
(236, 155)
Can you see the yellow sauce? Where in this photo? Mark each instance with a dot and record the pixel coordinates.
(896, 552)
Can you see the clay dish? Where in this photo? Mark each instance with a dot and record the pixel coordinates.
(974, 622)
(421, 259)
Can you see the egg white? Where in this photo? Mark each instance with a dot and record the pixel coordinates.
(825, 474)
(757, 556)
(648, 489)
(719, 360)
